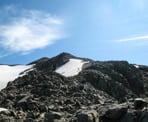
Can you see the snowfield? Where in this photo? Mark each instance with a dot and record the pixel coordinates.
(10, 73)
(71, 68)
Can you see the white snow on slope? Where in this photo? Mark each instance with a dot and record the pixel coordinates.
(71, 68)
(10, 73)
(136, 66)
(3, 109)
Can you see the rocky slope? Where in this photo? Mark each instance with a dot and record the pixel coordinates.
(111, 91)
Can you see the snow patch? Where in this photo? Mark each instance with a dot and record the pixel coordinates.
(136, 66)
(10, 73)
(3, 109)
(71, 68)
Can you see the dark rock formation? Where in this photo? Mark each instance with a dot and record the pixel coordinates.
(112, 91)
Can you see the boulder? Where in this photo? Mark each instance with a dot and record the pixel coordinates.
(53, 117)
(115, 112)
(88, 116)
(140, 103)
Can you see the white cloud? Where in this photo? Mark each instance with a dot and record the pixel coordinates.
(133, 39)
(30, 30)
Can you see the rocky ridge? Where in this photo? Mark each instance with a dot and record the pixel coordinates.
(110, 91)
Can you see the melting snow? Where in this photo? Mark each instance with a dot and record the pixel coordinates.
(71, 68)
(10, 73)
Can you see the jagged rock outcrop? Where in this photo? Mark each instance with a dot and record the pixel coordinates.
(111, 91)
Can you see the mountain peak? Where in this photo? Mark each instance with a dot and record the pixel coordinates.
(43, 59)
(75, 89)
(65, 55)
(50, 64)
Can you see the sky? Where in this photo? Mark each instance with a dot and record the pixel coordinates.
(96, 29)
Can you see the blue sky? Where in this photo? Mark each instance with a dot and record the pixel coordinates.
(96, 29)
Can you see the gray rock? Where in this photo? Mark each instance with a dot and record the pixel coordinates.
(6, 119)
(144, 117)
(52, 117)
(128, 117)
(140, 103)
(88, 116)
(116, 111)
(97, 92)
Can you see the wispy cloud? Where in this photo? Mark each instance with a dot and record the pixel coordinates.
(29, 30)
(133, 39)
